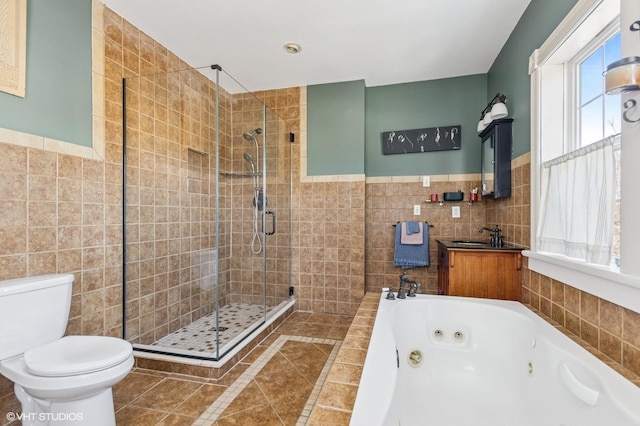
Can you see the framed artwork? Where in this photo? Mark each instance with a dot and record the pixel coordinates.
(13, 46)
(421, 140)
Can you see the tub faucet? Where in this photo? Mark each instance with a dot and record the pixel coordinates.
(413, 287)
(390, 295)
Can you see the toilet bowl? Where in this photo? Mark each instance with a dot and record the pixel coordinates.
(58, 380)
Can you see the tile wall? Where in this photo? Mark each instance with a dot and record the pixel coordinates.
(329, 253)
(611, 329)
(390, 200)
(513, 214)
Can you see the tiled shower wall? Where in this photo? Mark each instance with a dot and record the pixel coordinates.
(246, 281)
(170, 173)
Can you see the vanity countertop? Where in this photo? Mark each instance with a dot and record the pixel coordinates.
(474, 245)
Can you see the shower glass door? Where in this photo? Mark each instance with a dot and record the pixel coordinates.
(207, 213)
(259, 218)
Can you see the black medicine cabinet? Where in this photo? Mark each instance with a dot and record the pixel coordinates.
(496, 159)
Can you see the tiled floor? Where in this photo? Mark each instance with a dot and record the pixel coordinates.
(200, 336)
(276, 384)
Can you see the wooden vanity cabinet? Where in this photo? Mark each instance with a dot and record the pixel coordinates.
(486, 273)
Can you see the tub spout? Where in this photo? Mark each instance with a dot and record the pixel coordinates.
(412, 286)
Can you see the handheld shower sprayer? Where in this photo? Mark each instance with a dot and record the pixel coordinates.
(249, 159)
(251, 136)
(259, 198)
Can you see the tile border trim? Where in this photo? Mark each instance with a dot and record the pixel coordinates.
(211, 414)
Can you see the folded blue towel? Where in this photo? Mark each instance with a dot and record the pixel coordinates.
(411, 256)
(413, 227)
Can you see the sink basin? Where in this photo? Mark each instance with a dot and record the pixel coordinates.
(469, 242)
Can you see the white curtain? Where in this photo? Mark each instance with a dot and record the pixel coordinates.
(578, 203)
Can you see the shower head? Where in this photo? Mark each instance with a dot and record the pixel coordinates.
(249, 159)
(250, 136)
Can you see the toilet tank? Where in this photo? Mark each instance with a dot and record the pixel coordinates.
(33, 311)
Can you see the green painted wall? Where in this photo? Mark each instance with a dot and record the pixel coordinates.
(424, 104)
(58, 87)
(345, 122)
(335, 128)
(509, 73)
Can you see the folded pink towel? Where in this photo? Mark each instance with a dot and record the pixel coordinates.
(411, 239)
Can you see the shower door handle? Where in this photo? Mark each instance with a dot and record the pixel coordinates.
(273, 222)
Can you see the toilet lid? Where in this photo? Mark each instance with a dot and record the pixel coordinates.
(73, 355)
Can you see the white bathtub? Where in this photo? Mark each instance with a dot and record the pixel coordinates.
(483, 362)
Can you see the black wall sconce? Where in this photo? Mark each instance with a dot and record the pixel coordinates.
(495, 109)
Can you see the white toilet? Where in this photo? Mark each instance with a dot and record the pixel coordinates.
(59, 380)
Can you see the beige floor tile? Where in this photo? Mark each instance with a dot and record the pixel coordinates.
(288, 384)
(167, 395)
(324, 417)
(199, 401)
(176, 420)
(249, 398)
(137, 416)
(132, 386)
(262, 415)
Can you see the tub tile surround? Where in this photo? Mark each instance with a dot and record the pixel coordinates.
(610, 331)
(338, 394)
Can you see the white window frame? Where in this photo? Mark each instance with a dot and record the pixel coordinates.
(553, 129)
(572, 75)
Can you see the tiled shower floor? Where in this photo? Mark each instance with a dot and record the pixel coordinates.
(200, 335)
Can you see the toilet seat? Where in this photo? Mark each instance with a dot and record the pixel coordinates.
(75, 355)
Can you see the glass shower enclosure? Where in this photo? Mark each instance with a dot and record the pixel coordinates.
(207, 214)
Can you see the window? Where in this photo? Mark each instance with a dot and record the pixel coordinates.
(578, 196)
(598, 114)
(569, 111)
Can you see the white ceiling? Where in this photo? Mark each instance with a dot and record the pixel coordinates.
(379, 41)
